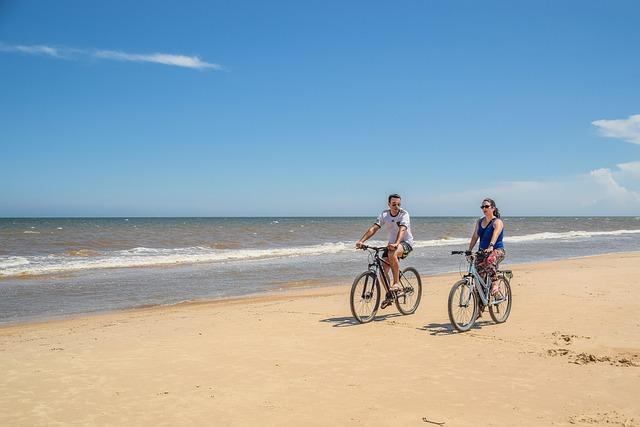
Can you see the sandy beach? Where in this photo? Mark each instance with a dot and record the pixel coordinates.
(568, 355)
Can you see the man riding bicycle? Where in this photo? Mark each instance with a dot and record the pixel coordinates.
(400, 243)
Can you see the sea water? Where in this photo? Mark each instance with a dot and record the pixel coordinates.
(63, 266)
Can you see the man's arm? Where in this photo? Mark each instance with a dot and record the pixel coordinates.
(370, 232)
(401, 232)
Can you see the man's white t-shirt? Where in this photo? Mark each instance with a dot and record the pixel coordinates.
(393, 223)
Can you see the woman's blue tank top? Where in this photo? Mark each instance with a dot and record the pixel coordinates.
(485, 235)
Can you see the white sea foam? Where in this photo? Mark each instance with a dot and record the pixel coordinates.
(440, 242)
(569, 235)
(12, 266)
(148, 257)
(12, 261)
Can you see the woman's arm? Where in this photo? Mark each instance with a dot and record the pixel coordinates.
(474, 236)
(498, 225)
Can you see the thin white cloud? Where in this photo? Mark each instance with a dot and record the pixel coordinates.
(32, 50)
(625, 129)
(158, 58)
(632, 168)
(183, 61)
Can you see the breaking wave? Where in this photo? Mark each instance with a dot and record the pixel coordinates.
(77, 260)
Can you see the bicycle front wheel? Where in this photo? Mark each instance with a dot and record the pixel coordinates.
(365, 297)
(463, 305)
(409, 297)
(500, 305)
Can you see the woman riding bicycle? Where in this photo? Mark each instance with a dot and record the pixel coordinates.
(489, 230)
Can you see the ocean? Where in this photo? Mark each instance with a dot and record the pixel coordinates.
(56, 267)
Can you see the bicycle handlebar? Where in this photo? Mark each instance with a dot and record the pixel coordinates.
(374, 248)
(467, 253)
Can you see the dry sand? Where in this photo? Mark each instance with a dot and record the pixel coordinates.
(568, 355)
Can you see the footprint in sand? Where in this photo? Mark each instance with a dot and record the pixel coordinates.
(558, 352)
(566, 339)
(624, 360)
(617, 360)
(610, 418)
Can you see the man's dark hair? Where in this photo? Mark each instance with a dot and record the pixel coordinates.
(393, 196)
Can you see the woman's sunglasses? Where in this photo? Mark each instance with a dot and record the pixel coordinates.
(485, 206)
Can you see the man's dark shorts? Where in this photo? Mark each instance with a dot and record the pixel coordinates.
(406, 250)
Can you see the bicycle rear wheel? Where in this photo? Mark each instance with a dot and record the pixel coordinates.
(365, 297)
(500, 304)
(408, 298)
(463, 305)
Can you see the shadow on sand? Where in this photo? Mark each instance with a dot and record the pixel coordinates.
(341, 322)
(437, 329)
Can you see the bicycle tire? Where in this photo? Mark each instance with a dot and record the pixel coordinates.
(409, 297)
(500, 312)
(460, 303)
(365, 297)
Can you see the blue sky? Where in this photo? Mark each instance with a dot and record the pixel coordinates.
(319, 107)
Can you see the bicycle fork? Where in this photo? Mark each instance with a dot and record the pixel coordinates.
(465, 295)
(369, 289)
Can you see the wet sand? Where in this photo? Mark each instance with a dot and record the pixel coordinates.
(568, 355)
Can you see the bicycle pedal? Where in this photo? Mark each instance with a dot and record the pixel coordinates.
(386, 303)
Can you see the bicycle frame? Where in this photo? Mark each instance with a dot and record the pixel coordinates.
(483, 287)
(376, 266)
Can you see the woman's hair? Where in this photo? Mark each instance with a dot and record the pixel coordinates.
(496, 212)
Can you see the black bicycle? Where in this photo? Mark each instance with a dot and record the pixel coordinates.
(469, 296)
(365, 292)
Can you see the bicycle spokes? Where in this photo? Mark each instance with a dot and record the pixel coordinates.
(462, 306)
(408, 298)
(365, 297)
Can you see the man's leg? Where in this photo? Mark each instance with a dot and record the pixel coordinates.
(388, 299)
(394, 260)
(386, 270)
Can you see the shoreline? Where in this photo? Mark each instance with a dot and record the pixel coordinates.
(266, 293)
(298, 357)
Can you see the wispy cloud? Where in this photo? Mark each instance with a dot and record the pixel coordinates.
(626, 129)
(158, 58)
(184, 61)
(631, 168)
(32, 50)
